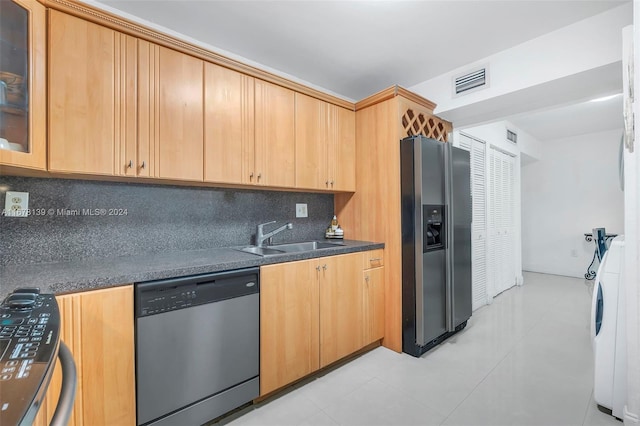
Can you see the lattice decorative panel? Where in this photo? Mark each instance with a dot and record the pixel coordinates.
(423, 124)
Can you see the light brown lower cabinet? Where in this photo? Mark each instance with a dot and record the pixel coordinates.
(340, 307)
(97, 326)
(289, 320)
(373, 324)
(315, 312)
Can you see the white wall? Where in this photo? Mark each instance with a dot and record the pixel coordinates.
(529, 146)
(585, 45)
(495, 134)
(571, 190)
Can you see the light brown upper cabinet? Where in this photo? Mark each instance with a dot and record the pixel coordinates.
(140, 158)
(126, 143)
(274, 151)
(180, 113)
(229, 132)
(342, 149)
(91, 96)
(122, 106)
(249, 130)
(325, 145)
(23, 70)
(86, 96)
(311, 143)
(170, 138)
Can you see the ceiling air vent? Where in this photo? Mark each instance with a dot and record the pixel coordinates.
(470, 81)
(512, 136)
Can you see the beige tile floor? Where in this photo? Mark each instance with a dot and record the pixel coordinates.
(526, 359)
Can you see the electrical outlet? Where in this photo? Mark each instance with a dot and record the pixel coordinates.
(16, 204)
(301, 210)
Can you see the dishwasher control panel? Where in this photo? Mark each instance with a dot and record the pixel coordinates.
(168, 299)
(161, 296)
(29, 339)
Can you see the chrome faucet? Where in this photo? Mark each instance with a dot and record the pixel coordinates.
(261, 236)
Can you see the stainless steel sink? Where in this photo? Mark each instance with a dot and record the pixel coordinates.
(277, 249)
(303, 246)
(261, 251)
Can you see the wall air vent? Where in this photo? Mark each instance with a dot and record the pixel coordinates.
(470, 81)
(512, 136)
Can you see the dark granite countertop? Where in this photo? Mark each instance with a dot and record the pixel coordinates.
(96, 273)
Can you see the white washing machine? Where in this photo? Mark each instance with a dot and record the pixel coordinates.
(608, 331)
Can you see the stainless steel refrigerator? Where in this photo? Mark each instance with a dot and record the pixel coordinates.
(436, 242)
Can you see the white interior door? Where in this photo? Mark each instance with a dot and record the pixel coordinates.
(493, 224)
(479, 275)
(501, 221)
(510, 230)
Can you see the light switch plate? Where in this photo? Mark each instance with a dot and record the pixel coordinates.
(16, 204)
(301, 210)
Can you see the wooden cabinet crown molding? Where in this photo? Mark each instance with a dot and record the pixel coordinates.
(392, 92)
(107, 19)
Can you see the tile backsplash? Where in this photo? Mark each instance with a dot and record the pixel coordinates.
(75, 219)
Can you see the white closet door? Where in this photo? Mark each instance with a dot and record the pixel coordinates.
(511, 230)
(479, 273)
(501, 227)
(493, 246)
(507, 257)
(505, 197)
(502, 254)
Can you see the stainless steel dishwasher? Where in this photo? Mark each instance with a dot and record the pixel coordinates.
(197, 346)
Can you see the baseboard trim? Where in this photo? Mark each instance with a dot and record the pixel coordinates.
(630, 418)
(553, 273)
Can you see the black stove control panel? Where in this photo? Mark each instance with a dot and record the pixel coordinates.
(29, 339)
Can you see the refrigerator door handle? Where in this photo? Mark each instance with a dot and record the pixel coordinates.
(417, 229)
(449, 215)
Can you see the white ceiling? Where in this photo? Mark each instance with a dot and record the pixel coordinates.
(356, 48)
(572, 120)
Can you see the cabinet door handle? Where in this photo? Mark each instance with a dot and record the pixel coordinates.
(324, 267)
(318, 268)
(130, 165)
(366, 278)
(375, 259)
(331, 183)
(143, 165)
(327, 183)
(251, 176)
(259, 176)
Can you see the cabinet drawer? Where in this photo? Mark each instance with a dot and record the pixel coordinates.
(373, 259)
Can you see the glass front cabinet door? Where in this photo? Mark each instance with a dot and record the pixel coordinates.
(23, 84)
